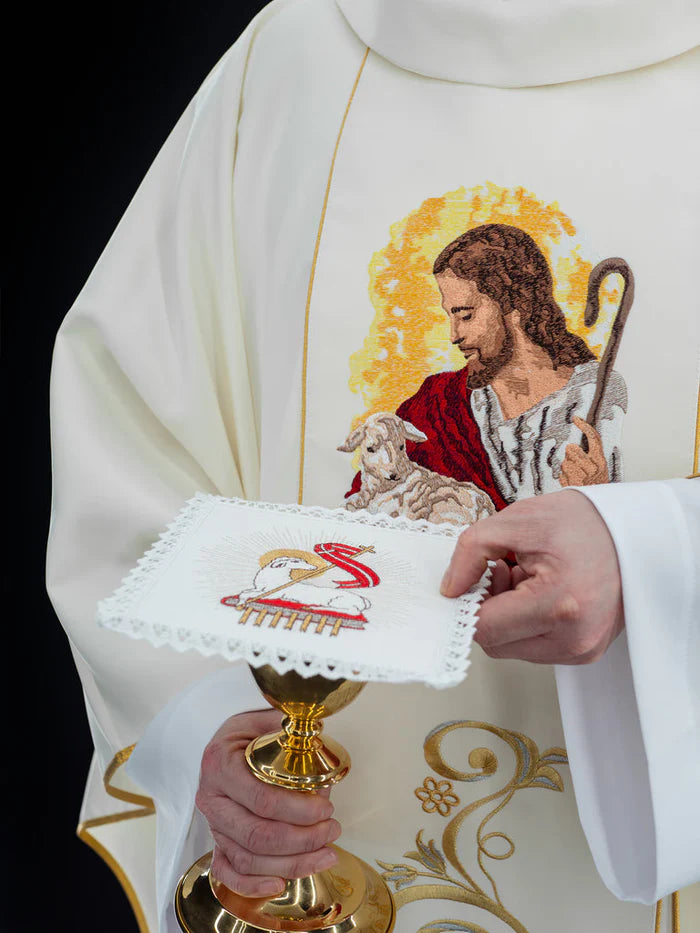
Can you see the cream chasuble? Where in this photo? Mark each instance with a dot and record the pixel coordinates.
(280, 336)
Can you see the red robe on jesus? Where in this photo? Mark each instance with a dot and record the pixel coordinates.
(441, 410)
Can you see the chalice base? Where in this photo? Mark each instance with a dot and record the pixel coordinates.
(351, 897)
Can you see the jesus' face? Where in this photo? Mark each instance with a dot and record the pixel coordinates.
(477, 326)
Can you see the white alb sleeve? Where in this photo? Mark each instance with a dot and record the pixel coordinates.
(166, 762)
(632, 719)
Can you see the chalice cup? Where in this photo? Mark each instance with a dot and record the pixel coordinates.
(350, 896)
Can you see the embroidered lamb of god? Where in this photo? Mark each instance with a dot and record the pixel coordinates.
(291, 585)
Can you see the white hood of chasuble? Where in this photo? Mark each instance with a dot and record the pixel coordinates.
(464, 796)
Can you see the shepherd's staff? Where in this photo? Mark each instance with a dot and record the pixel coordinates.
(305, 576)
(590, 319)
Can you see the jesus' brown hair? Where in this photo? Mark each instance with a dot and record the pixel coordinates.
(507, 265)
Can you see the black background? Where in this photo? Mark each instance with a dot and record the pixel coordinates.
(90, 96)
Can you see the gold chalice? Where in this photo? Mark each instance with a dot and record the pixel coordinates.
(350, 896)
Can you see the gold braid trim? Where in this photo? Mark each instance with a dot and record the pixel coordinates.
(305, 351)
(146, 808)
(675, 913)
(696, 451)
(119, 759)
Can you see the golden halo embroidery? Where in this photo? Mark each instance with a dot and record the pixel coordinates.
(280, 591)
(436, 796)
(441, 874)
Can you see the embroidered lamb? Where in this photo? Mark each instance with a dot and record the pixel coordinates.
(394, 484)
(312, 596)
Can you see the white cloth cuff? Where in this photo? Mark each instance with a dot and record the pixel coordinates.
(166, 763)
(631, 719)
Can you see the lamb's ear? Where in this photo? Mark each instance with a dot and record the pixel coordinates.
(353, 441)
(412, 433)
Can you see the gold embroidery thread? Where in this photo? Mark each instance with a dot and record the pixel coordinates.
(437, 796)
(146, 808)
(305, 350)
(447, 876)
(696, 446)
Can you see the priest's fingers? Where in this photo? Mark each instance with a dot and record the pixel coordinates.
(248, 886)
(517, 575)
(488, 539)
(265, 836)
(522, 613)
(246, 863)
(565, 589)
(547, 627)
(224, 773)
(233, 779)
(543, 649)
(501, 579)
(504, 578)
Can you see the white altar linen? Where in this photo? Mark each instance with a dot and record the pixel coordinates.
(259, 581)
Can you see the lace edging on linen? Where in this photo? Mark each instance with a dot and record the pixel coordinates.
(116, 612)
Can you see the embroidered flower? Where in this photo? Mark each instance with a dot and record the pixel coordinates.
(437, 795)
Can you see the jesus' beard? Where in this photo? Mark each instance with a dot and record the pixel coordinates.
(493, 365)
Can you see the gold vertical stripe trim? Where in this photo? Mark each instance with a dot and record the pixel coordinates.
(676, 912)
(305, 351)
(696, 451)
(146, 808)
(658, 915)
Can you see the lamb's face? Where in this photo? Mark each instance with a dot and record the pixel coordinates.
(290, 563)
(382, 443)
(383, 449)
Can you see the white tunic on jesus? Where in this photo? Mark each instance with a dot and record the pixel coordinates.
(526, 453)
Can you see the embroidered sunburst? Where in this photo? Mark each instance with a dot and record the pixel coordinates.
(318, 590)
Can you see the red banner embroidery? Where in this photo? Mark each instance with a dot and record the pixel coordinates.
(341, 555)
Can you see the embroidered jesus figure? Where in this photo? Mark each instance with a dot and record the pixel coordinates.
(512, 422)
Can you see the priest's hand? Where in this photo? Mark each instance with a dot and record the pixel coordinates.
(562, 602)
(262, 834)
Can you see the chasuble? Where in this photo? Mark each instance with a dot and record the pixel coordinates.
(269, 300)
